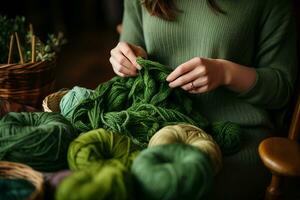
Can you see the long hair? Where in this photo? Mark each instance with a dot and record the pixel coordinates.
(166, 9)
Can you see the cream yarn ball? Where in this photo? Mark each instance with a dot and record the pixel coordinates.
(192, 135)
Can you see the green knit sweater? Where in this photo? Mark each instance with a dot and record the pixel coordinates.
(256, 33)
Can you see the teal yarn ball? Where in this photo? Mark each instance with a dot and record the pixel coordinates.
(100, 146)
(172, 172)
(39, 140)
(15, 189)
(111, 181)
(227, 135)
(73, 98)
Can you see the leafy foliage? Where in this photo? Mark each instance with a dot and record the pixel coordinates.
(44, 50)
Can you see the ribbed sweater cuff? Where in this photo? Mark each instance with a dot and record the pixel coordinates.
(260, 92)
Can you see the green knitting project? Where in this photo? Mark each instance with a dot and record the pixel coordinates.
(140, 106)
(39, 140)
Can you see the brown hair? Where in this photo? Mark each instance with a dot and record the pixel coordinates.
(166, 9)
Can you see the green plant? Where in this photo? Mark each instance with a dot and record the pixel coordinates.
(44, 50)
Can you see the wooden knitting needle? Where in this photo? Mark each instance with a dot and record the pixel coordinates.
(19, 48)
(11, 43)
(33, 41)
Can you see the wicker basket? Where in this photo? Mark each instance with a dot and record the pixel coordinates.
(13, 170)
(26, 83)
(51, 102)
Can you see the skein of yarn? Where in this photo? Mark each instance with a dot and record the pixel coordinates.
(139, 106)
(39, 140)
(73, 98)
(100, 146)
(227, 135)
(191, 135)
(172, 172)
(17, 189)
(111, 181)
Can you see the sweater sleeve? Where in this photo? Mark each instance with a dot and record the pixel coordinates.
(275, 59)
(132, 23)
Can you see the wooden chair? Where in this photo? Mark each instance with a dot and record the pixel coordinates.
(282, 156)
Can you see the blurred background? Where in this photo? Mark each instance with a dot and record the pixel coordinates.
(90, 28)
(88, 25)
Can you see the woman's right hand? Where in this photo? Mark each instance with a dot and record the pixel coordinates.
(123, 59)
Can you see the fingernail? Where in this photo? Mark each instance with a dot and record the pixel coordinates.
(138, 67)
(171, 85)
(168, 79)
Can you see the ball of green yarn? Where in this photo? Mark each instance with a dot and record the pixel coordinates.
(16, 189)
(227, 135)
(111, 181)
(171, 172)
(39, 140)
(73, 98)
(100, 146)
(191, 135)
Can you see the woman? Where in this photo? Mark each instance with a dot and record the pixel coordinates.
(238, 56)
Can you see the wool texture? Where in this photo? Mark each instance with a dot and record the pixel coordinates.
(100, 146)
(191, 135)
(72, 99)
(111, 181)
(15, 189)
(40, 140)
(139, 106)
(172, 172)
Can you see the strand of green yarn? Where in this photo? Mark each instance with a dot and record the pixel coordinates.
(40, 140)
(140, 106)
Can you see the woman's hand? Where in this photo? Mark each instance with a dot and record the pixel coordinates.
(198, 75)
(123, 59)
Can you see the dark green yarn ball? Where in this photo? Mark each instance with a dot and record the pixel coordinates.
(40, 140)
(111, 181)
(172, 172)
(100, 146)
(15, 189)
(227, 135)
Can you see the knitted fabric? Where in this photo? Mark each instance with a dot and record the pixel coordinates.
(140, 106)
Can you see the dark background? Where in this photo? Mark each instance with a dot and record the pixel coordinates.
(89, 26)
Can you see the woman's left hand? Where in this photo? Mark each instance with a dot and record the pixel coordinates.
(199, 75)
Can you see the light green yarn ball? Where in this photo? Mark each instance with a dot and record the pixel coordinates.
(111, 181)
(172, 172)
(99, 146)
(73, 98)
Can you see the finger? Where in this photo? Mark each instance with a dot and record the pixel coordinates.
(185, 79)
(122, 60)
(188, 87)
(119, 69)
(128, 52)
(139, 51)
(200, 90)
(184, 68)
(199, 82)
